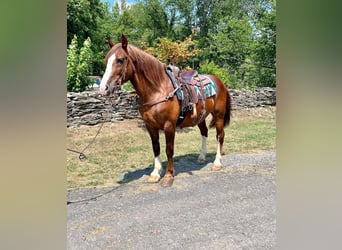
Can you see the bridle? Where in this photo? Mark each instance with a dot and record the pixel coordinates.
(118, 83)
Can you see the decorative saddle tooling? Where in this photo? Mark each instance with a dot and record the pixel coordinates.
(191, 87)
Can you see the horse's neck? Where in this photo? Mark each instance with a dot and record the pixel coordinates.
(146, 88)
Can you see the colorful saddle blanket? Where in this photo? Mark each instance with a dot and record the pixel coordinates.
(210, 88)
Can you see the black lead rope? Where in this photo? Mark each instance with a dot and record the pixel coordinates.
(81, 155)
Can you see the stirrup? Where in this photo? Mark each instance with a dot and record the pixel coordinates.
(194, 111)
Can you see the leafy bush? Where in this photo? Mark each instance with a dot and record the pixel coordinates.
(127, 86)
(211, 68)
(79, 66)
(175, 51)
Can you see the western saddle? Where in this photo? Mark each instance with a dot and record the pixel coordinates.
(186, 82)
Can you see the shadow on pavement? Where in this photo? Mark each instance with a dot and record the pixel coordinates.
(183, 164)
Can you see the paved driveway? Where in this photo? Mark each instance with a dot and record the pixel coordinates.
(230, 209)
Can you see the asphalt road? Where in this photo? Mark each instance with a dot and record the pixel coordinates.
(230, 209)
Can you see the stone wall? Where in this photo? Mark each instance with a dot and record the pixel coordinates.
(260, 97)
(90, 108)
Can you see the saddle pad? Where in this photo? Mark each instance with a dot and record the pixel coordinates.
(210, 89)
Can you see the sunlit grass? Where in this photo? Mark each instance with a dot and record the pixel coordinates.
(125, 146)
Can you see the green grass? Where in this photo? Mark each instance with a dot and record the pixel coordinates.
(124, 146)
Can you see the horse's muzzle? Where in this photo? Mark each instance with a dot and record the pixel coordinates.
(106, 91)
(109, 89)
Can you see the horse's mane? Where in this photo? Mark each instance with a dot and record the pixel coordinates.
(151, 67)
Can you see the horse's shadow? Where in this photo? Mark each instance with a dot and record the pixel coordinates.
(182, 164)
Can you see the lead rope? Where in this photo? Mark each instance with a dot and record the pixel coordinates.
(81, 155)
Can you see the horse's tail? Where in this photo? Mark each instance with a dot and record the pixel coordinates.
(227, 113)
(228, 109)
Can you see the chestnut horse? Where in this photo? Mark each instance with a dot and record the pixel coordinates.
(159, 108)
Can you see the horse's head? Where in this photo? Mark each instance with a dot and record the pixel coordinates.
(117, 67)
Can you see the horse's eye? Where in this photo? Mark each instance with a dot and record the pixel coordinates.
(120, 61)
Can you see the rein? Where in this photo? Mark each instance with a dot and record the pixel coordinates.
(165, 99)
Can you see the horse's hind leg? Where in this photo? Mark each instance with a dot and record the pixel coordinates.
(220, 138)
(155, 175)
(204, 132)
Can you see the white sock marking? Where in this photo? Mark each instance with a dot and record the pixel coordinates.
(204, 149)
(157, 167)
(218, 156)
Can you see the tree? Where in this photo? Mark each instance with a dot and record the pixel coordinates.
(265, 50)
(240, 38)
(234, 38)
(231, 45)
(209, 13)
(79, 65)
(180, 18)
(174, 51)
(83, 18)
(89, 18)
(156, 18)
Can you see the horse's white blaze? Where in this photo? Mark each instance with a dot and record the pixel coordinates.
(218, 157)
(157, 167)
(204, 149)
(107, 74)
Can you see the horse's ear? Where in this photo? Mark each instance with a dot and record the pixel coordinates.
(110, 43)
(124, 42)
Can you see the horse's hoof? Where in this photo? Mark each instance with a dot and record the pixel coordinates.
(216, 167)
(200, 161)
(153, 179)
(166, 182)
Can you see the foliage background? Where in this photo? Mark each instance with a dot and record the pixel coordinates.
(234, 39)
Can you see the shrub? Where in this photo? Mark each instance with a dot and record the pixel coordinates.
(79, 66)
(211, 68)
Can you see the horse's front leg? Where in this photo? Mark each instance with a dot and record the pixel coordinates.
(155, 175)
(204, 132)
(170, 130)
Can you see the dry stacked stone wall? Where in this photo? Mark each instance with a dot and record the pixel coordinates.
(90, 107)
